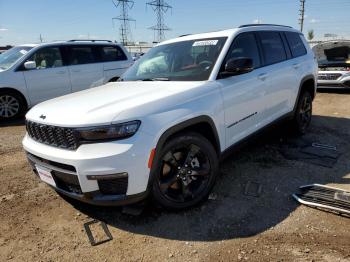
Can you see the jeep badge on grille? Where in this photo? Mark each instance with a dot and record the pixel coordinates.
(42, 116)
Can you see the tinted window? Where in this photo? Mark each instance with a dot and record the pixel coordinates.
(296, 44)
(245, 46)
(112, 53)
(273, 47)
(79, 55)
(47, 58)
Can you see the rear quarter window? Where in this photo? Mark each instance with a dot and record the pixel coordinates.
(296, 44)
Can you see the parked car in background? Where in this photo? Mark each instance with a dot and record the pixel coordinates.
(162, 128)
(30, 74)
(334, 64)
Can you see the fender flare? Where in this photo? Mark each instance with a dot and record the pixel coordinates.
(178, 128)
(302, 82)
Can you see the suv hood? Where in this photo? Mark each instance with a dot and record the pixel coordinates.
(101, 105)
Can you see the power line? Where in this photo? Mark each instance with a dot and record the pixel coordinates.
(124, 29)
(302, 14)
(160, 7)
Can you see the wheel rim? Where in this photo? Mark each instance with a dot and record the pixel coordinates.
(185, 173)
(305, 112)
(9, 106)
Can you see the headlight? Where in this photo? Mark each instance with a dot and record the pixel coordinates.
(110, 132)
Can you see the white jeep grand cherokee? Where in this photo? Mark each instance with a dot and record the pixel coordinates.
(161, 129)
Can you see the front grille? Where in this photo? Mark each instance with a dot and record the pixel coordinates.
(329, 76)
(117, 186)
(52, 135)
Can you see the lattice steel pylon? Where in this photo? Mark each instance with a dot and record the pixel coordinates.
(124, 29)
(160, 7)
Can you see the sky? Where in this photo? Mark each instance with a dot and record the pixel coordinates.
(22, 21)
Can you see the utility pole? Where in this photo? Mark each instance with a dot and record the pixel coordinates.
(302, 14)
(124, 29)
(160, 7)
(41, 38)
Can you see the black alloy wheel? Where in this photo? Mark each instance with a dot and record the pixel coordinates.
(303, 114)
(186, 172)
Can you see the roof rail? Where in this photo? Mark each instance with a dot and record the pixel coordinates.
(248, 25)
(89, 40)
(184, 35)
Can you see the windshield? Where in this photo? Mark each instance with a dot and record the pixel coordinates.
(181, 61)
(8, 58)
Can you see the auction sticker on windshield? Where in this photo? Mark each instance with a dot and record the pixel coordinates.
(205, 42)
(45, 175)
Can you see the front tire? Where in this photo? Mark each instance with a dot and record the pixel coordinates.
(303, 113)
(186, 171)
(12, 105)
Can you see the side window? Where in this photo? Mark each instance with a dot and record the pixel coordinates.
(112, 53)
(245, 46)
(296, 44)
(273, 48)
(79, 55)
(48, 57)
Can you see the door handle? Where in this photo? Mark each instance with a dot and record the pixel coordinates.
(262, 76)
(296, 66)
(61, 72)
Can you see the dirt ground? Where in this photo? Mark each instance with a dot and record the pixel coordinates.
(36, 224)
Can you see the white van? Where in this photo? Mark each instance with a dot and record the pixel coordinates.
(30, 74)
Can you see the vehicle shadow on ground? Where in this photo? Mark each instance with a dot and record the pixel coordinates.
(232, 214)
(334, 91)
(16, 122)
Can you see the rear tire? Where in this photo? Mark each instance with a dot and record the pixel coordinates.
(12, 105)
(303, 113)
(185, 171)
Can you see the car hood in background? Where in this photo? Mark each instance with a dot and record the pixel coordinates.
(333, 53)
(101, 105)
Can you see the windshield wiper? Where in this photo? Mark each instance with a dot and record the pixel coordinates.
(156, 79)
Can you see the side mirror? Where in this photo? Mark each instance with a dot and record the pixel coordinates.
(237, 66)
(29, 65)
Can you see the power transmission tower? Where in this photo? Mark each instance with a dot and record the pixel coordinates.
(124, 29)
(302, 14)
(160, 7)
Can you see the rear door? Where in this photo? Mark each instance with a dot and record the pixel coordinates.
(281, 77)
(50, 78)
(243, 94)
(85, 68)
(115, 61)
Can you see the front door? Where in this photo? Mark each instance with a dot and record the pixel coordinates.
(243, 94)
(50, 78)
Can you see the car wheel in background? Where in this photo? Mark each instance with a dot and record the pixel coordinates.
(12, 105)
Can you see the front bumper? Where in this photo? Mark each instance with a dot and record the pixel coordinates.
(342, 83)
(81, 174)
